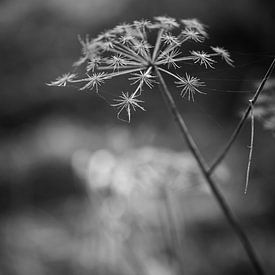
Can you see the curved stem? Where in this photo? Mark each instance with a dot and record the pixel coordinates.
(240, 125)
(250, 149)
(204, 169)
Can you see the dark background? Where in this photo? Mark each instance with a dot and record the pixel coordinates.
(47, 208)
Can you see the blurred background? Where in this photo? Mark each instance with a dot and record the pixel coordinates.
(84, 193)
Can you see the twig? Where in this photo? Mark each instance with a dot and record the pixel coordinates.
(236, 132)
(250, 148)
(204, 168)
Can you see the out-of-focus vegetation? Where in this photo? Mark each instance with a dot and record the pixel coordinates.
(265, 109)
(84, 193)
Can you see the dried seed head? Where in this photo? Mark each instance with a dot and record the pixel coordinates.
(127, 50)
(116, 62)
(166, 22)
(127, 102)
(190, 86)
(62, 80)
(170, 39)
(195, 24)
(203, 59)
(192, 34)
(143, 78)
(225, 55)
(94, 81)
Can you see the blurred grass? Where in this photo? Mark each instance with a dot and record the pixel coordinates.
(53, 220)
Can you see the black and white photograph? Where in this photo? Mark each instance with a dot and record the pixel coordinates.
(137, 137)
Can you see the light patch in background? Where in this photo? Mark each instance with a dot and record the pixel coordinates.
(145, 170)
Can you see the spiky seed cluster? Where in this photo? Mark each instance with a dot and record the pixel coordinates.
(190, 86)
(63, 80)
(126, 102)
(127, 49)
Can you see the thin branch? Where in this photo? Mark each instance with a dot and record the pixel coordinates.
(167, 72)
(110, 75)
(114, 74)
(204, 168)
(236, 132)
(184, 58)
(178, 118)
(132, 56)
(157, 45)
(171, 48)
(250, 148)
(126, 67)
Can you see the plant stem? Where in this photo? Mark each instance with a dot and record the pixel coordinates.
(204, 169)
(250, 149)
(240, 125)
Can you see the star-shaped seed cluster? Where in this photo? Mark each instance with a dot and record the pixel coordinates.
(130, 50)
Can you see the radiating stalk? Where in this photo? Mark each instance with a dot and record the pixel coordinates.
(250, 149)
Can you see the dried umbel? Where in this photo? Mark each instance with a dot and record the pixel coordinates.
(127, 49)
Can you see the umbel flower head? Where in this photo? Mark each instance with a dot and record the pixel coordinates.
(136, 51)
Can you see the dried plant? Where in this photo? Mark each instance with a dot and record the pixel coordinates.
(131, 50)
(127, 50)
